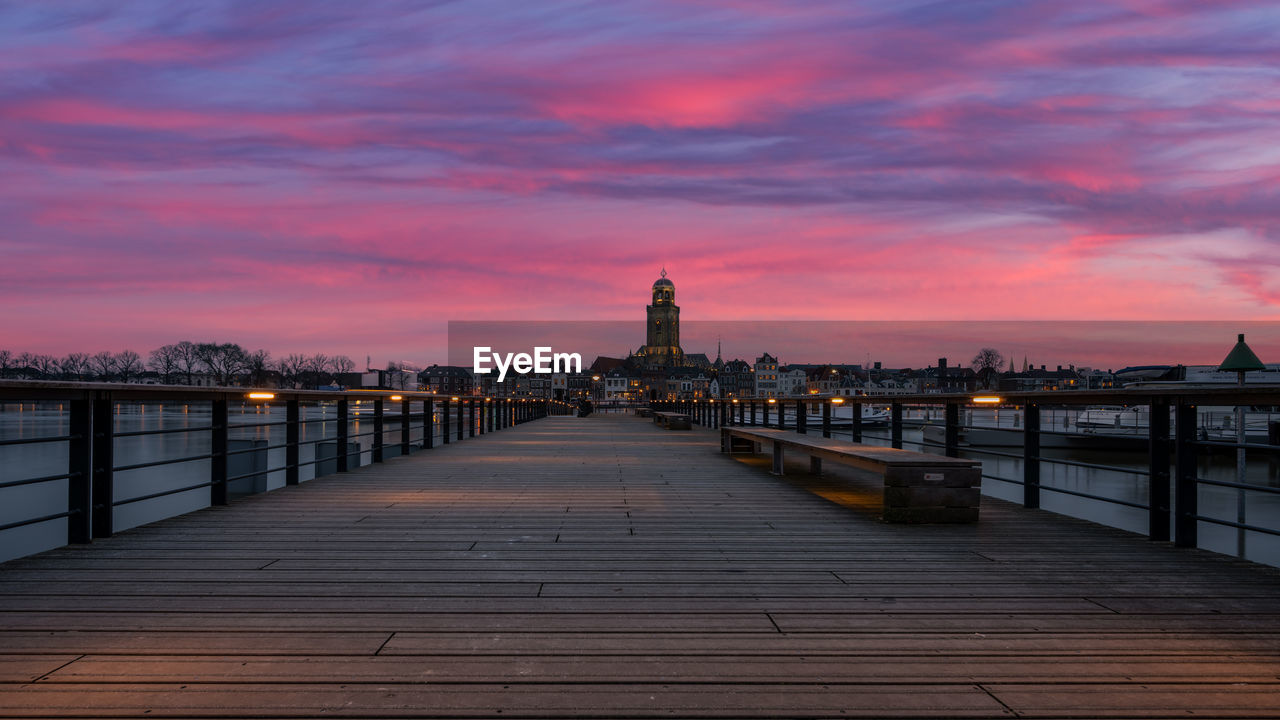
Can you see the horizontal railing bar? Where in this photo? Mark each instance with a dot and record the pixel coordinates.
(141, 433)
(1008, 480)
(33, 441)
(156, 463)
(1236, 445)
(162, 493)
(1095, 466)
(233, 426)
(256, 473)
(1240, 486)
(32, 481)
(1116, 501)
(245, 451)
(33, 521)
(1242, 526)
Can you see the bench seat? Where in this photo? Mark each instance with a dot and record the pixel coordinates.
(673, 420)
(918, 487)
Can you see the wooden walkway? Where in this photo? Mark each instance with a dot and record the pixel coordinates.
(604, 567)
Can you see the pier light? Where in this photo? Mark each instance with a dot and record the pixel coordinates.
(986, 399)
(261, 396)
(396, 397)
(455, 399)
(772, 401)
(837, 401)
(735, 401)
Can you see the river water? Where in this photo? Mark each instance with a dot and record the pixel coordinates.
(35, 420)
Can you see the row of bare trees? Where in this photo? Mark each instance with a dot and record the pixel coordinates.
(183, 363)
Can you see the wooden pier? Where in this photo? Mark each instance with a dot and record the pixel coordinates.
(601, 567)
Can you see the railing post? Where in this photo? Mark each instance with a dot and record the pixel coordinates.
(377, 430)
(461, 404)
(218, 449)
(429, 423)
(344, 435)
(404, 425)
(1031, 456)
(765, 410)
(291, 438)
(479, 408)
(826, 418)
(103, 464)
(855, 422)
(895, 425)
(802, 418)
(1187, 488)
(444, 421)
(753, 413)
(1158, 470)
(951, 430)
(471, 417)
(80, 468)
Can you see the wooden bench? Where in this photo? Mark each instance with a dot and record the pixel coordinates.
(918, 487)
(644, 412)
(672, 420)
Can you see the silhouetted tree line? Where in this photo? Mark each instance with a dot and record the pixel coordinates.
(183, 363)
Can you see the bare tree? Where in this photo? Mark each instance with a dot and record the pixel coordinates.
(187, 358)
(257, 364)
(75, 366)
(164, 360)
(292, 367)
(987, 359)
(46, 365)
(987, 364)
(103, 365)
(6, 362)
(224, 361)
(343, 364)
(128, 365)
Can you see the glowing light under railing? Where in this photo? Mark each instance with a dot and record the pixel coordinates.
(986, 399)
(772, 401)
(396, 397)
(262, 396)
(837, 401)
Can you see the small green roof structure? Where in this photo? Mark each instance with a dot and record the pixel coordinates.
(1241, 359)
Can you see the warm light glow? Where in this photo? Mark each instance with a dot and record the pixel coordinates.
(772, 401)
(837, 401)
(735, 401)
(453, 398)
(262, 396)
(987, 399)
(396, 397)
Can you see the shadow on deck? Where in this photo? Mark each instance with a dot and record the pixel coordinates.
(602, 567)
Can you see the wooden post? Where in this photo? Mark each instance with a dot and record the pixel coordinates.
(377, 430)
(344, 435)
(218, 450)
(855, 422)
(1158, 470)
(1031, 456)
(802, 418)
(951, 440)
(103, 464)
(428, 423)
(826, 418)
(1187, 483)
(292, 432)
(80, 468)
(404, 425)
(895, 425)
(444, 421)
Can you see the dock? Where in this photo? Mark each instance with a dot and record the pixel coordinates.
(602, 567)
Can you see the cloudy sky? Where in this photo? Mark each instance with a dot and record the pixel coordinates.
(346, 177)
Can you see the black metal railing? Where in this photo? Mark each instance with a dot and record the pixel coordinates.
(1175, 441)
(92, 411)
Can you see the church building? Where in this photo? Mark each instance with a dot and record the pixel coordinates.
(662, 335)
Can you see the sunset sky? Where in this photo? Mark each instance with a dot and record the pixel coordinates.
(346, 177)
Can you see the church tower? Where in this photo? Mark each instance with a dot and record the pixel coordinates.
(662, 337)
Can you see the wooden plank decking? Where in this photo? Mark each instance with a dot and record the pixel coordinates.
(601, 567)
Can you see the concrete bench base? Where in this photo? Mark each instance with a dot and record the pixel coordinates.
(672, 421)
